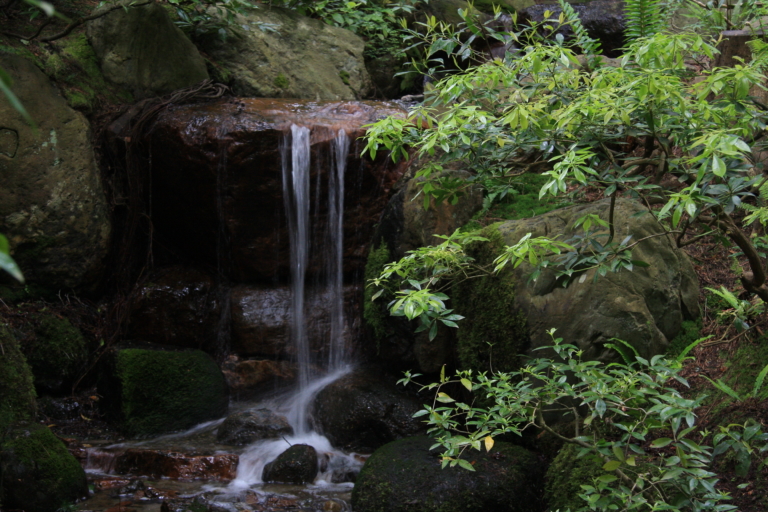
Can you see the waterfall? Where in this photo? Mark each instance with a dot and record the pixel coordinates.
(336, 359)
(297, 198)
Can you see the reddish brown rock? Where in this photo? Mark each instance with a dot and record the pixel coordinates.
(176, 306)
(217, 194)
(163, 464)
(245, 375)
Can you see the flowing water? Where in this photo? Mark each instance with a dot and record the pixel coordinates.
(335, 466)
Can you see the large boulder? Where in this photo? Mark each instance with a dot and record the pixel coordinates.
(37, 473)
(177, 306)
(142, 50)
(17, 391)
(153, 391)
(217, 183)
(52, 205)
(297, 57)
(644, 307)
(296, 465)
(364, 410)
(405, 476)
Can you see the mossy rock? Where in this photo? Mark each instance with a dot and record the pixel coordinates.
(17, 391)
(405, 476)
(57, 355)
(155, 391)
(37, 473)
(494, 331)
(567, 474)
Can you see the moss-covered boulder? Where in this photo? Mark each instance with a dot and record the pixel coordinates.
(567, 474)
(302, 58)
(405, 476)
(645, 307)
(17, 391)
(141, 49)
(153, 391)
(52, 205)
(57, 354)
(37, 473)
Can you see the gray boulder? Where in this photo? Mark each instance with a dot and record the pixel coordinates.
(296, 465)
(141, 49)
(645, 307)
(298, 58)
(52, 205)
(249, 426)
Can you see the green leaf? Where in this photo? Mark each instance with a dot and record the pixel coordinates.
(612, 465)
(661, 442)
(467, 384)
(466, 465)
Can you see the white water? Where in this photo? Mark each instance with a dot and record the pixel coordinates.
(296, 191)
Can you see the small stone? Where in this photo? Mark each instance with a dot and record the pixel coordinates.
(247, 427)
(296, 465)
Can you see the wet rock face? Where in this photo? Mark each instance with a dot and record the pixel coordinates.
(247, 427)
(364, 410)
(177, 306)
(218, 183)
(296, 465)
(404, 476)
(246, 377)
(603, 20)
(52, 204)
(261, 320)
(178, 466)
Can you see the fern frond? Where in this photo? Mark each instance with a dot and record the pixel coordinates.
(643, 18)
(588, 45)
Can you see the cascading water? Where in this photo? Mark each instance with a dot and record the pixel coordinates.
(296, 193)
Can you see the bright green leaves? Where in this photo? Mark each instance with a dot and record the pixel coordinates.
(651, 462)
(6, 262)
(532, 250)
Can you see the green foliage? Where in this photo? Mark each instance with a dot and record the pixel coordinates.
(581, 123)
(588, 45)
(6, 262)
(374, 313)
(739, 311)
(565, 476)
(16, 383)
(644, 18)
(207, 18)
(163, 391)
(636, 401)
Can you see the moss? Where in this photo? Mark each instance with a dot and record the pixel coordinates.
(163, 391)
(281, 81)
(58, 353)
(38, 473)
(344, 75)
(566, 475)
(690, 331)
(17, 391)
(375, 313)
(494, 331)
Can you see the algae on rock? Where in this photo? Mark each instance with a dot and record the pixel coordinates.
(57, 354)
(37, 472)
(17, 391)
(158, 391)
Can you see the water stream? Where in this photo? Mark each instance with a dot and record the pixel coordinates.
(335, 466)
